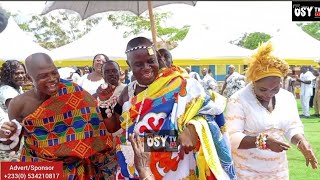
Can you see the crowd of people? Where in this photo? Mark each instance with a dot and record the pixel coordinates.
(241, 130)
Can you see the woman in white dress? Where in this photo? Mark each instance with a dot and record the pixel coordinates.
(12, 76)
(90, 82)
(261, 117)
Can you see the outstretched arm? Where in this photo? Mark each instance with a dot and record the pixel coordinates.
(303, 145)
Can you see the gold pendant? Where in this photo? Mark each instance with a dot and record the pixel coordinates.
(150, 51)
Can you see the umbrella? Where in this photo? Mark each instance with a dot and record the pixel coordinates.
(88, 8)
(3, 20)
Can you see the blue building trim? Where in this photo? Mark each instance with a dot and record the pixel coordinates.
(213, 71)
(221, 77)
(195, 69)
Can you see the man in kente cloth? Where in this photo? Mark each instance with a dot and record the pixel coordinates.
(61, 122)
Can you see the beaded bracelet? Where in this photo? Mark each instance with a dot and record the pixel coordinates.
(261, 141)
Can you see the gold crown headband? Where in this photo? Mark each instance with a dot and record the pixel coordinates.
(150, 50)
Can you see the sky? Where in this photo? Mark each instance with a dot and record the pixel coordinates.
(228, 18)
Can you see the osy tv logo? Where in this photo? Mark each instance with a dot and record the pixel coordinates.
(162, 141)
(306, 11)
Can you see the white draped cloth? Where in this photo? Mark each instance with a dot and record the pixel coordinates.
(209, 83)
(234, 82)
(88, 85)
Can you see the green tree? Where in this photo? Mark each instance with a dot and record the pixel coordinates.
(58, 28)
(168, 36)
(251, 40)
(313, 29)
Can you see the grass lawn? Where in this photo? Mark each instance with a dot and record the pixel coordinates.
(297, 165)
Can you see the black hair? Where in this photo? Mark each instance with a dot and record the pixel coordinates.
(105, 57)
(162, 51)
(78, 71)
(111, 61)
(138, 41)
(107, 62)
(7, 71)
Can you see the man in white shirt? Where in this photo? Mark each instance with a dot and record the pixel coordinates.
(208, 82)
(305, 79)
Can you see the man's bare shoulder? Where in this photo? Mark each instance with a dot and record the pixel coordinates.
(23, 100)
(19, 104)
(28, 95)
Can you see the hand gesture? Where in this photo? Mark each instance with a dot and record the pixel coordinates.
(141, 158)
(105, 91)
(7, 129)
(187, 140)
(307, 152)
(276, 146)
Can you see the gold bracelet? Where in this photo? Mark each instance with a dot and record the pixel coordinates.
(148, 176)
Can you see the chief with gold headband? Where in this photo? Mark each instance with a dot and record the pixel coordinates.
(169, 100)
(261, 118)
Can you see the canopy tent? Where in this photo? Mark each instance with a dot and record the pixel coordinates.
(295, 46)
(16, 44)
(102, 39)
(203, 46)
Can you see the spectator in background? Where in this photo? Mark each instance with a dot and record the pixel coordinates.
(194, 75)
(75, 76)
(316, 99)
(86, 70)
(208, 82)
(111, 75)
(315, 73)
(306, 88)
(166, 57)
(13, 76)
(288, 82)
(90, 82)
(234, 81)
